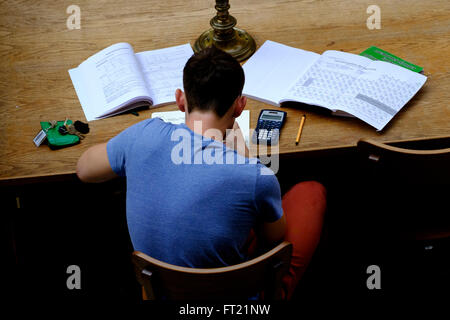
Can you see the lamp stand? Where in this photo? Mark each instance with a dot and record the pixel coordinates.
(225, 36)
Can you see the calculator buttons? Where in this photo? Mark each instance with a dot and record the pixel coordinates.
(267, 134)
(268, 127)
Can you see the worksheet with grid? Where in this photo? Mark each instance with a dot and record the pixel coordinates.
(345, 83)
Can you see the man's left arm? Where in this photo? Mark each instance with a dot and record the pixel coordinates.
(93, 165)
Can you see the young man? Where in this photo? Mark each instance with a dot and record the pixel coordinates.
(192, 199)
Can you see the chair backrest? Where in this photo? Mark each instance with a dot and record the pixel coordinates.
(263, 273)
(416, 166)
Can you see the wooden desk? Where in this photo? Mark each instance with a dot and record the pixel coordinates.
(37, 50)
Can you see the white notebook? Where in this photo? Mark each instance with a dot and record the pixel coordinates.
(345, 83)
(116, 79)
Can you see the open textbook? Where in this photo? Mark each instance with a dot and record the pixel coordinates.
(177, 117)
(116, 79)
(345, 83)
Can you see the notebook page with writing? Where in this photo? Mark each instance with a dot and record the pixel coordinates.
(327, 79)
(379, 92)
(109, 80)
(163, 71)
(272, 69)
(177, 117)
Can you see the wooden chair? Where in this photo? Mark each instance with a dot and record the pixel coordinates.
(404, 214)
(241, 281)
(418, 166)
(422, 175)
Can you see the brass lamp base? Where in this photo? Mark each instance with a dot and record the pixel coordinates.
(225, 36)
(241, 46)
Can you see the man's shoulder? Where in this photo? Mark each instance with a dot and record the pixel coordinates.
(152, 124)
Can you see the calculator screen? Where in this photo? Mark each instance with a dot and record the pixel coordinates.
(270, 117)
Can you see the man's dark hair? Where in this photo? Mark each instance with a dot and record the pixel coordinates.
(212, 80)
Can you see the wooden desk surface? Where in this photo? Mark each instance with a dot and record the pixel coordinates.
(37, 49)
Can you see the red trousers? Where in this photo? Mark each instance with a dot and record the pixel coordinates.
(304, 207)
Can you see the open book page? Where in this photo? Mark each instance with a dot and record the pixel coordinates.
(272, 69)
(108, 81)
(327, 79)
(177, 117)
(379, 92)
(163, 71)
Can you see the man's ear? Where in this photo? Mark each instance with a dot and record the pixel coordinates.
(180, 99)
(240, 103)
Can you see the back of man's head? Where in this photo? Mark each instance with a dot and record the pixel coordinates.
(212, 80)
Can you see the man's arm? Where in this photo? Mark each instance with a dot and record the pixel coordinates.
(93, 165)
(270, 233)
(272, 221)
(235, 139)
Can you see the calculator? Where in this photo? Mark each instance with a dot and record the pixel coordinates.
(269, 125)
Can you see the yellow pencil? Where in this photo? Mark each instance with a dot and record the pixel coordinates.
(300, 128)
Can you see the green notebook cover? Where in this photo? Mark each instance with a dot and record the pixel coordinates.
(375, 53)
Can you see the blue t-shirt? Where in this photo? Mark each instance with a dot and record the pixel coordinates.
(191, 201)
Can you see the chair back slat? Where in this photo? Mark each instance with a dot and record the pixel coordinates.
(406, 165)
(243, 280)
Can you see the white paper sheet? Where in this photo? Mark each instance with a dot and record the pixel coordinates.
(177, 117)
(272, 69)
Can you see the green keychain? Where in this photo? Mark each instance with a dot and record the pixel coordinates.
(55, 139)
